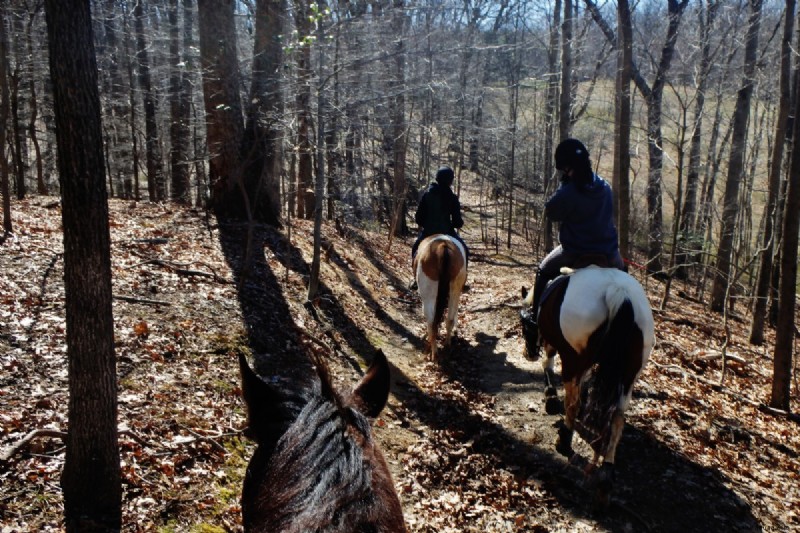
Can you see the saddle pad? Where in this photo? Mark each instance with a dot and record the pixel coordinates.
(552, 286)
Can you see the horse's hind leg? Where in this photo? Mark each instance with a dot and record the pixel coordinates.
(603, 478)
(432, 341)
(572, 399)
(452, 315)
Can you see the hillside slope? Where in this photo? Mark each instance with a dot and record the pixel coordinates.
(468, 440)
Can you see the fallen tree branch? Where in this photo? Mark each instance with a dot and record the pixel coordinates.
(16, 447)
(180, 269)
(204, 438)
(13, 449)
(136, 300)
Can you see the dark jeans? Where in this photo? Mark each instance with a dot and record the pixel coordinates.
(551, 266)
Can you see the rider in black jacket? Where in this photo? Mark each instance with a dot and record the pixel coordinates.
(439, 211)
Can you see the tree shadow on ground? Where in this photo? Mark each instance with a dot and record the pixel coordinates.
(657, 489)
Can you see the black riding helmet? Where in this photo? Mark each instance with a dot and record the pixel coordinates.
(445, 176)
(573, 154)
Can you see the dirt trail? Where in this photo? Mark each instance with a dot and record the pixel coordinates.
(470, 435)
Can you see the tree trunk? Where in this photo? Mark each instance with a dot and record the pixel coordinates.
(179, 112)
(131, 189)
(552, 110)
(5, 185)
(156, 186)
(689, 239)
(622, 147)
(654, 99)
(736, 162)
(224, 127)
(116, 117)
(41, 186)
(776, 167)
(653, 96)
(304, 144)
(319, 177)
(91, 478)
(398, 117)
(786, 327)
(19, 146)
(565, 102)
(261, 147)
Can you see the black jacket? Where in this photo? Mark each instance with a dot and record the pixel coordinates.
(439, 211)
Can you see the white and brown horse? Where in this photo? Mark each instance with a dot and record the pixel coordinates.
(440, 268)
(600, 322)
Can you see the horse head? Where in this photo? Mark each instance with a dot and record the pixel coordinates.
(317, 466)
(530, 333)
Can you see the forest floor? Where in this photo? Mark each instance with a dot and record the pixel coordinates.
(469, 443)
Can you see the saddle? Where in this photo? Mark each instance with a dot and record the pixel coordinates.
(583, 261)
(586, 260)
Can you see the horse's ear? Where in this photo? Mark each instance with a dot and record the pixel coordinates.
(261, 400)
(372, 392)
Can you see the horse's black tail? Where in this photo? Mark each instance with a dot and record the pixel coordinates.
(615, 350)
(616, 369)
(443, 290)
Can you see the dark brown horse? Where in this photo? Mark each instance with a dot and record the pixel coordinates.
(600, 323)
(317, 467)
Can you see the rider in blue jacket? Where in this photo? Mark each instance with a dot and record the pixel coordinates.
(583, 205)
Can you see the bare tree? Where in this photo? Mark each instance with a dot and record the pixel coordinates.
(304, 141)
(565, 100)
(622, 125)
(653, 95)
(4, 97)
(786, 328)
(224, 124)
(398, 118)
(707, 14)
(776, 167)
(736, 162)
(263, 129)
(91, 478)
(179, 111)
(156, 185)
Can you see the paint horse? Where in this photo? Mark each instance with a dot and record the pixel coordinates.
(600, 322)
(440, 268)
(317, 467)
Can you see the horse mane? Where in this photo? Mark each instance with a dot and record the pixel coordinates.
(322, 471)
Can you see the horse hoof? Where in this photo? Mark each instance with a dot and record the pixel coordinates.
(564, 441)
(533, 357)
(552, 405)
(564, 449)
(602, 481)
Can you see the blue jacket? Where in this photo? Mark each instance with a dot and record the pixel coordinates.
(439, 211)
(586, 214)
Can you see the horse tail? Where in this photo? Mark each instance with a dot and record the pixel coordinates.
(443, 290)
(606, 386)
